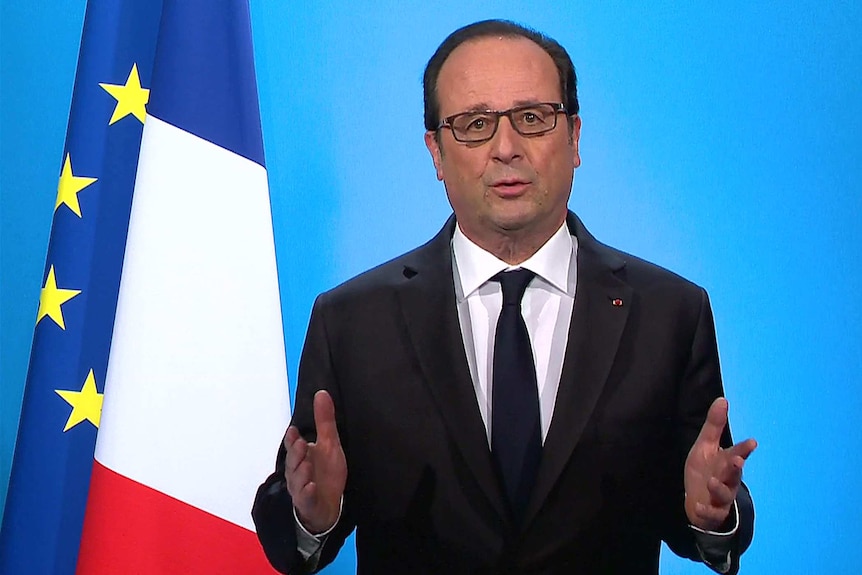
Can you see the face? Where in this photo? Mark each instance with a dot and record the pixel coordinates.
(511, 188)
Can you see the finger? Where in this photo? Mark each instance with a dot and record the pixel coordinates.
(290, 436)
(743, 449)
(720, 494)
(716, 420)
(297, 481)
(310, 494)
(731, 462)
(303, 502)
(727, 467)
(711, 516)
(730, 472)
(307, 494)
(324, 418)
(297, 453)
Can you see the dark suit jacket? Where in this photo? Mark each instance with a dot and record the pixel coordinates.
(422, 490)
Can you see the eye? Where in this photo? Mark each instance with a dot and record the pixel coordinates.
(531, 117)
(477, 123)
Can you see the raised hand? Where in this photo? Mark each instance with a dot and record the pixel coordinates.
(713, 474)
(316, 472)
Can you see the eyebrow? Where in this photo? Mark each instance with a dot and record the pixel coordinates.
(484, 107)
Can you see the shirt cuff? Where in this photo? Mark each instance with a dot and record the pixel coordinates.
(309, 544)
(715, 547)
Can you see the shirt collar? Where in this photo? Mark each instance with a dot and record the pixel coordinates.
(476, 266)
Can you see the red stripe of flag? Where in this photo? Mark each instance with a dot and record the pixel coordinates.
(132, 528)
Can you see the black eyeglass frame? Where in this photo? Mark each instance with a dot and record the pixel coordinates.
(447, 121)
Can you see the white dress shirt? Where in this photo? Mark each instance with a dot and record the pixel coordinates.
(546, 307)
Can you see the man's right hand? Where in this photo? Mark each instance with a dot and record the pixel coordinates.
(316, 472)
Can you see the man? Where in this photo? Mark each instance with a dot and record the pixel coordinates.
(566, 425)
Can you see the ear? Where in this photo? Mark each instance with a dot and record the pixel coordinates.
(436, 153)
(576, 136)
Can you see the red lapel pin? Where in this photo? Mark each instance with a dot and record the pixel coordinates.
(617, 302)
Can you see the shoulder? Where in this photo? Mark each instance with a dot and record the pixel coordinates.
(432, 259)
(663, 306)
(644, 274)
(596, 258)
(379, 278)
(652, 284)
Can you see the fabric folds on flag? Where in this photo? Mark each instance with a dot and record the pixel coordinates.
(195, 386)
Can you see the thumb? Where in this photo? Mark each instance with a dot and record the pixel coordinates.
(324, 418)
(716, 421)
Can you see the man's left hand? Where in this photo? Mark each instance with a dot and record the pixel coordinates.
(713, 474)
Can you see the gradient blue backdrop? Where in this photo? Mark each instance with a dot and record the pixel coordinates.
(723, 143)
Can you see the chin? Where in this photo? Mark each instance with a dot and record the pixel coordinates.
(514, 222)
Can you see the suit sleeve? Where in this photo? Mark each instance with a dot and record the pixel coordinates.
(699, 387)
(273, 508)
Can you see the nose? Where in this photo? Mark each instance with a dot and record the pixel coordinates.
(507, 144)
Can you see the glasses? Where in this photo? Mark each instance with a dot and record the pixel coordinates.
(480, 125)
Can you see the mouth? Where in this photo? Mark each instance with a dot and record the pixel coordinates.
(509, 187)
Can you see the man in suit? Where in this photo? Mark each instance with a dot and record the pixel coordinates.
(410, 425)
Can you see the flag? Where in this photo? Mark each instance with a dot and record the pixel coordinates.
(195, 387)
(69, 356)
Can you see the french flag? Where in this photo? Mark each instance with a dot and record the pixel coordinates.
(196, 390)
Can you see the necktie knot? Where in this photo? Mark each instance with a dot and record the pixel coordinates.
(514, 284)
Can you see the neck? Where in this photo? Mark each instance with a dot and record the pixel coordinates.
(511, 246)
(512, 251)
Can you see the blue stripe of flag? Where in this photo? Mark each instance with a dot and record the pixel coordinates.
(51, 468)
(192, 87)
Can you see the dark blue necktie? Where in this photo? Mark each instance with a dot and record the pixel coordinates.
(516, 440)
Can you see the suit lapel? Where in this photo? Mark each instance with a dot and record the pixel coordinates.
(594, 335)
(427, 298)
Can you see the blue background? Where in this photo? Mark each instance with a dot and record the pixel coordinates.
(722, 143)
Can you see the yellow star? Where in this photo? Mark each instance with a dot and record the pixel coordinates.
(70, 185)
(130, 97)
(52, 298)
(86, 404)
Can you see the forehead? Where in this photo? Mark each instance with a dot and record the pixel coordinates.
(496, 73)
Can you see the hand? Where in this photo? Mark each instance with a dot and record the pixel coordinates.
(316, 472)
(713, 474)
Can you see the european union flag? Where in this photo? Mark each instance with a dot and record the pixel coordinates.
(63, 396)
